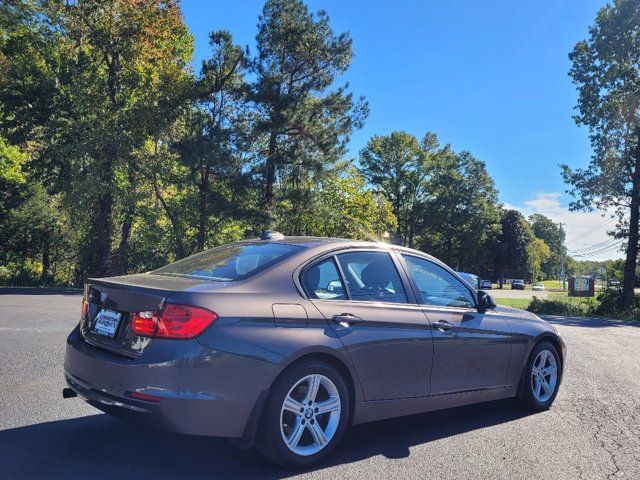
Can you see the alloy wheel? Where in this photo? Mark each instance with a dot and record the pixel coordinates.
(310, 415)
(544, 376)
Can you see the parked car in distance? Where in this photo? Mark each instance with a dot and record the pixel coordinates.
(614, 284)
(538, 287)
(517, 285)
(486, 285)
(282, 343)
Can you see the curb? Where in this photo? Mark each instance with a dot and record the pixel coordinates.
(38, 290)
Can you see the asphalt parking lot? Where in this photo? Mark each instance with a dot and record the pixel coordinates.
(592, 431)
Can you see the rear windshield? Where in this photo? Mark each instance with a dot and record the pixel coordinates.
(230, 262)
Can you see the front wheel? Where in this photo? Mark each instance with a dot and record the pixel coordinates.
(541, 377)
(305, 416)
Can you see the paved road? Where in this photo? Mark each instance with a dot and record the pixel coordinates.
(592, 432)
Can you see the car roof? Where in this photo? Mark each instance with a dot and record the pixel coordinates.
(332, 243)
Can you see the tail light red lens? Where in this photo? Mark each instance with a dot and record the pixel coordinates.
(174, 321)
(144, 396)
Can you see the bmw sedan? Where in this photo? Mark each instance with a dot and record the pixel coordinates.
(282, 343)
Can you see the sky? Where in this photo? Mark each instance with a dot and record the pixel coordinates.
(489, 77)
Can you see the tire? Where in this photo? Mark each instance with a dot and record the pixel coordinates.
(279, 421)
(534, 395)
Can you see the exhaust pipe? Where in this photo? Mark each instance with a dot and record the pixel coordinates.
(69, 393)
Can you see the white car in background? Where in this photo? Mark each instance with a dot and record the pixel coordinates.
(537, 287)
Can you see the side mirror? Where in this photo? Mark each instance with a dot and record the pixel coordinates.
(485, 301)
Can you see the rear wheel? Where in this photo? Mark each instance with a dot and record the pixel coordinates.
(305, 415)
(541, 377)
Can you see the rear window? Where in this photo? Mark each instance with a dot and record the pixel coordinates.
(230, 262)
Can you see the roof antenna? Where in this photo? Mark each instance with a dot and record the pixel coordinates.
(271, 235)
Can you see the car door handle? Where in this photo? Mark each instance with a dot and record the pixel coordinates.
(442, 325)
(346, 319)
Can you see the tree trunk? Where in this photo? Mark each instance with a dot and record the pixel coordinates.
(46, 261)
(177, 232)
(102, 229)
(121, 266)
(270, 178)
(203, 210)
(628, 288)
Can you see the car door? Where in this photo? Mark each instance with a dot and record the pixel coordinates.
(364, 297)
(471, 350)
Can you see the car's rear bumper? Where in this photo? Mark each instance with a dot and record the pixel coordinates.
(202, 391)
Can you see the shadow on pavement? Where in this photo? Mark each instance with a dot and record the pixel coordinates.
(589, 322)
(100, 447)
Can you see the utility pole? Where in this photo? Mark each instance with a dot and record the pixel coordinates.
(562, 269)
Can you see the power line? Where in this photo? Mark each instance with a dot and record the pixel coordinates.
(609, 248)
(592, 230)
(595, 246)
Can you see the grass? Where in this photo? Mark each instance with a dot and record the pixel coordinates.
(521, 303)
(552, 285)
(556, 303)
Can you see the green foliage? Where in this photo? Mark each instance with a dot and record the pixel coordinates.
(341, 205)
(303, 121)
(398, 166)
(563, 305)
(538, 252)
(460, 215)
(547, 230)
(511, 249)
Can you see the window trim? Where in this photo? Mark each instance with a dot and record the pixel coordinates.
(416, 289)
(412, 299)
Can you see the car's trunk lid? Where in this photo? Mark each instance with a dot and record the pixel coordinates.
(112, 301)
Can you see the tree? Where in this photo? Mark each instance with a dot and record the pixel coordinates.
(398, 166)
(108, 75)
(215, 140)
(303, 122)
(342, 205)
(547, 230)
(606, 71)
(511, 250)
(538, 252)
(460, 216)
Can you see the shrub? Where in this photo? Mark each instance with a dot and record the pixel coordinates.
(18, 274)
(610, 304)
(563, 306)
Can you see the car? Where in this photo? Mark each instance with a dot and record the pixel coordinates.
(517, 285)
(282, 343)
(486, 285)
(538, 287)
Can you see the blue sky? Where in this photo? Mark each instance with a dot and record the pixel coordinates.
(488, 77)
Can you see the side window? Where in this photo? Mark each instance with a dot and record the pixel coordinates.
(322, 281)
(372, 276)
(437, 286)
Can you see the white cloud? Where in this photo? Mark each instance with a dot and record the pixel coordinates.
(586, 232)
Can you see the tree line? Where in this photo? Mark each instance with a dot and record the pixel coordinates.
(118, 155)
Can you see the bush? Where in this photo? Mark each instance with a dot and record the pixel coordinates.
(563, 306)
(610, 304)
(18, 274)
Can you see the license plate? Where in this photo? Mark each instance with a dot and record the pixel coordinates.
(106, 322)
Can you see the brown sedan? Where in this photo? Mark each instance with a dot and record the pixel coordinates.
(284, 342)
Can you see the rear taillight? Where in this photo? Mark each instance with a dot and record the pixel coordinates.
(173, 321)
